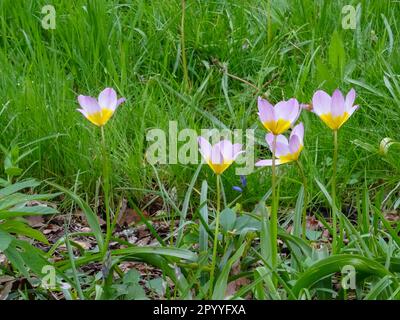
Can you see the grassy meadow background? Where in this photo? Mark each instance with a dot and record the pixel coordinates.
(136, 46)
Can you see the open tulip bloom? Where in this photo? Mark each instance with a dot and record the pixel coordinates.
(100, 111)
(285, 151)
(335, 110)
(277, 119)
(219, 156)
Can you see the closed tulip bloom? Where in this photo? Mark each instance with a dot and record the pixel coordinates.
(219, 156)
(277, 119)
(285, 151)
(335, 110)
(100, 111)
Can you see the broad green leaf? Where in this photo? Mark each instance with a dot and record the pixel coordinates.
(18, 199)
(26, 258)
(91, 217)
(20, 228)
(27, 211)
(185, 205)
(337, 54)
(5, 240)
(335, 263)
(30, 183)
(378, 288)
(227, 219)
(163, 251)
(222, 281)
(298, 213)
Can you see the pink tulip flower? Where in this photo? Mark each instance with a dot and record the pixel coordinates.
(285, 151)
(99, 111)
(335, 110)
(277, 119)
(219, 156)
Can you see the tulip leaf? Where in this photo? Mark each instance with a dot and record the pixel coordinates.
(5, 240)
(185, 205)
(330, 265)
(227, 219)
(222, 281)
(91, 217)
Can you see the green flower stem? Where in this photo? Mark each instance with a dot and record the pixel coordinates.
(305, 204)
(106, 189)
(216, 232)
(183, 49)
(274, 211)
(333, 195)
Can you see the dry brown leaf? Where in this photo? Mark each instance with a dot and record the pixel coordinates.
(129, 217)
(6, 290)
(6, 278)
(84, 244)
(35, 221)
(392, 216)
(235, 285)
(51, 228)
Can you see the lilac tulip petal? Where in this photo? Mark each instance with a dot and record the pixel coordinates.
(287, 110)
(226, 149)
(282, 149)
(279, 139)
(298, 114)
(237, 149)
(350, 97)
(120, 100)
(294, 144)
(321, 102)
(352, 109)
(298, 131)
(337, 104)
(88, 104)
(108, 99)
(263, 163)
(216, 155)
(267, 163)
(295, 110)
(265, 110)
(83, 112)
(205, 148)
(269, 137)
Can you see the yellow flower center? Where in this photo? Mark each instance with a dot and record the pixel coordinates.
(277, 127)
(100, 118)
(219, 168)
(291, 156)
(334, 122)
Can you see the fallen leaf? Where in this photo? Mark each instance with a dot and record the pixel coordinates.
(6, 290)
(4, 279)
(51, 228)
(392, 216)
(85, 245)
(35, 221)
(235, 285)
(129, 217)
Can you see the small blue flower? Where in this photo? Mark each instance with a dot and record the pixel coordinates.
(243, 182)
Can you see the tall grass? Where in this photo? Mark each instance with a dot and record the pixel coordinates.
(136, 47)
(204, 69)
